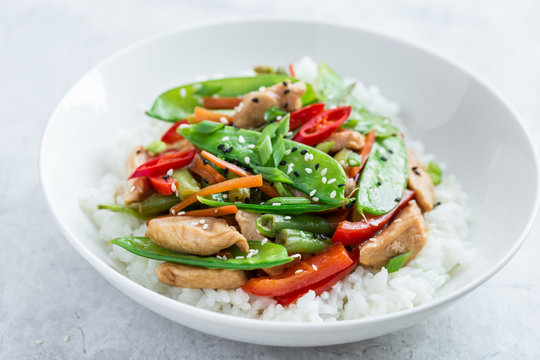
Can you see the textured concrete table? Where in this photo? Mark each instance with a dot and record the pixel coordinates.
(54, 305)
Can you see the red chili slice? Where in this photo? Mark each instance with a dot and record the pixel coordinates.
(160, 165)
(322, 126)
(163, 184)
(356, 233)
(303, 115)
(171, 136)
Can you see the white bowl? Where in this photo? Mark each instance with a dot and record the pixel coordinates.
(462, 121)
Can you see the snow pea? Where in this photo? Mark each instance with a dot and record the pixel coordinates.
(270, 224)
(384, 178)
(276, 209)
(311, 169)
(364, 121)
(298, 241)
(150, 207)
(180, 102)
(267, 255)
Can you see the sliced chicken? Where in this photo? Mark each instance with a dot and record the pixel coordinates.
(350, 185)
(248, 227)
(421, 183)
(407, 232)
(195, 277)
(136, 189)
(194, 234)
(285, 95)
(346, 139)
(180, 145)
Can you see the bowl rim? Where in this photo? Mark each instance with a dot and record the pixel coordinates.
(115, 277)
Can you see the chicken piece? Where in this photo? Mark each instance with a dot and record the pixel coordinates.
(421, 183)
(180, 145)
(136, 189)
(248, 227)
(346, 139)
(195, 277)
(350, 185)
(194, 234)
(286, 95)
(407, 232)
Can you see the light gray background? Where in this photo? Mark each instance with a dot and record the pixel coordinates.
(47, 291)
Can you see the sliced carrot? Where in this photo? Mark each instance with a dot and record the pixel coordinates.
(370, 139)
(205, 114)
(221, 102)
(207, 172)
(265, 188)
(291, 71)
(215, 212)
(237, 183)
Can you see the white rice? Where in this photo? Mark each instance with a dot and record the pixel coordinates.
(361, 294)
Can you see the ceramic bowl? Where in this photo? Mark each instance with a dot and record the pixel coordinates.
(459, 118)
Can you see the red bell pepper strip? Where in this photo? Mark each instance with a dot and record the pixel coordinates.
(355, 233)
(366, 149)
(171, 136)
(327, 263)
(160, 165)
(322, 285)
(291, 70)
(322, 126)
(303, 115)
(163, 184)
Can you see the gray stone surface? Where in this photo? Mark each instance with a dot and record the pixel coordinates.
(48, 292)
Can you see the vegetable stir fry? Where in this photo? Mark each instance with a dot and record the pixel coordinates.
(276, 186)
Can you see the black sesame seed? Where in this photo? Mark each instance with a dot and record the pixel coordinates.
(294, 149)
(438, 203)
(236, 126)
(390, 151)
(316, 166)
(303, 152)
(414, 168)
(323, 236)
(221, 146)
(341, 185)
(398, 199)
(205, 161)
(296, 174)
(255, 100)
(282, 162)
(379, 183)
(166, 177)
(383, 158)
(226, 171)
(349, 205)
(315, 235)
(286, 105)
(285, 83)
(287, 91)
(139, 151)
(417, 172)
(228, 150)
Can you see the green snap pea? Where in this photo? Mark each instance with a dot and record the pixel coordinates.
(275, 208)
(384, 177)
(264, 256)
(299, 241)
(150, 207)
(180, 102)
(271, 224)
(288, 200)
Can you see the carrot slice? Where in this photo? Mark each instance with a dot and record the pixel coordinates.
(207, 172)
(291, 70)
(204, 114)
(370, 139)
(222, 164)
(238, 183)
(214, 212)
(221, 102)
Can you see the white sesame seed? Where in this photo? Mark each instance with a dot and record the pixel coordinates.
(241, 139)
(246, 160)
(308, 170)
(298, 271)
(279, 117)
(398, 220)
(323, 180)
(239, 257)
(181, 213)
(194, 223)
(315, 199)
(289, 170)
(252, 252)
(183, 126)
(311, 157)
(306, 157)
(66, 338)
(131, 189)
(331, 181)
(333, 194)
(183, 92)
(314, 267)
(288, 152)
(264, 241)
(302, 233)
(296, 255)
(372, 239)
(202, 221)
(289, 133)
(262, 88)
(225, 196)
(205, 227)
(276, 204)
(173, 187)
(323, 172)
(342, 162)
(251, 146)
(287, 217)
(225, 138)
(262, 202)
(313, 192)
(222, 119)
(172, 211)
(332, 107)
(39, 342)
(169, 172)
(215, 96)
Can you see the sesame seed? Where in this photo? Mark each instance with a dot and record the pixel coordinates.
(39, 342)
(287, 152)
(398, 199)
(246, 160)
(308, 170)
(331, 181)
(66, 338)
(303, 152)
(279, 117)
(194, 223)
(181, 213)
(298, 271)
(170, 172)
(315, 199)
(302, 233)
(239, 257)
(372, 239)
(228, 150)
(202, 221)
(223, 120)
(286, 105)
(221, 146)
(323, 236)
(324, 171)
(289, 170)
(315, 235)
(251, 146)
(131, 189)
(173, 187)
(383, 158)
(264, 241)
(294, 149)
(312, 192)
(226, 171)
(205, 161)
(285, 83)
(255, 100)
(166, 177)
(379, 183)
(323, 180)
(282, 162)
(341, 185)
(225, 138)
(314, 267)
(225, 196)
(205, 227)
(398, 220)
(287, 217)
(287, 91)
(306, 157)
(289, 133)
(390, 151)
(276, 204)
(316, 166)
(262, 88)
(296, 255)
(241, 139)
(183, 126)
(139, 151)
(417, 173)
(342, 162)
(172, 211)
(183, 92)
(350, 205)
(296, 174)
(333, 194)
(438, 203)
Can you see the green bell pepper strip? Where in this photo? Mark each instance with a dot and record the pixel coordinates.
(384, 178)
(150, 207)
(325, 146)
(275, 209)
(267, 255)
(435, 173)
(309, 178)
(124, 209)
(187, 185)
(298, 241)
(180, 102)
(271, 224)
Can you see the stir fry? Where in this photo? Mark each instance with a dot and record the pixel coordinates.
(276, 186)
